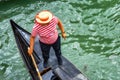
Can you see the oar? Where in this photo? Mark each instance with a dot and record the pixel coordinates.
(40, 78)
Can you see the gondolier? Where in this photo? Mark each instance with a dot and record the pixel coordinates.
(45, 28)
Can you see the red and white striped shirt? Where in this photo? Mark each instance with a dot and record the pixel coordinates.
(48, 33)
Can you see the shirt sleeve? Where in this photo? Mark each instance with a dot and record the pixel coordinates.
(34, 30)
(56, 19)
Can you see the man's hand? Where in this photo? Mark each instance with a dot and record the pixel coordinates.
(30, 51)
(64, 35)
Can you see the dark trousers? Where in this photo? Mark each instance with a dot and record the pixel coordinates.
(46, 49)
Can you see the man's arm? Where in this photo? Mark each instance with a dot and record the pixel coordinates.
(61, 28)
(30, 49)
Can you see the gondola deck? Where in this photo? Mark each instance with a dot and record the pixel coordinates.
(65, 72)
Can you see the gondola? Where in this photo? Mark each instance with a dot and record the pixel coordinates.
(67, 71)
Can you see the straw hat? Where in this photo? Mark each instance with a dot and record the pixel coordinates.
(44, 17)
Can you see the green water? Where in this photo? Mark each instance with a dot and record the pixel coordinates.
(93, 35)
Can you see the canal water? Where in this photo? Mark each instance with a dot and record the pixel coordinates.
(93, 35)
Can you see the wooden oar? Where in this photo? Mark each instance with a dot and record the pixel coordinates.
(39, 75)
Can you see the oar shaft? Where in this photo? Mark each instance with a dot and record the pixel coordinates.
(36, 67)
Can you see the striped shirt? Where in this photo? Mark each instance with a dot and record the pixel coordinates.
(48, 33)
